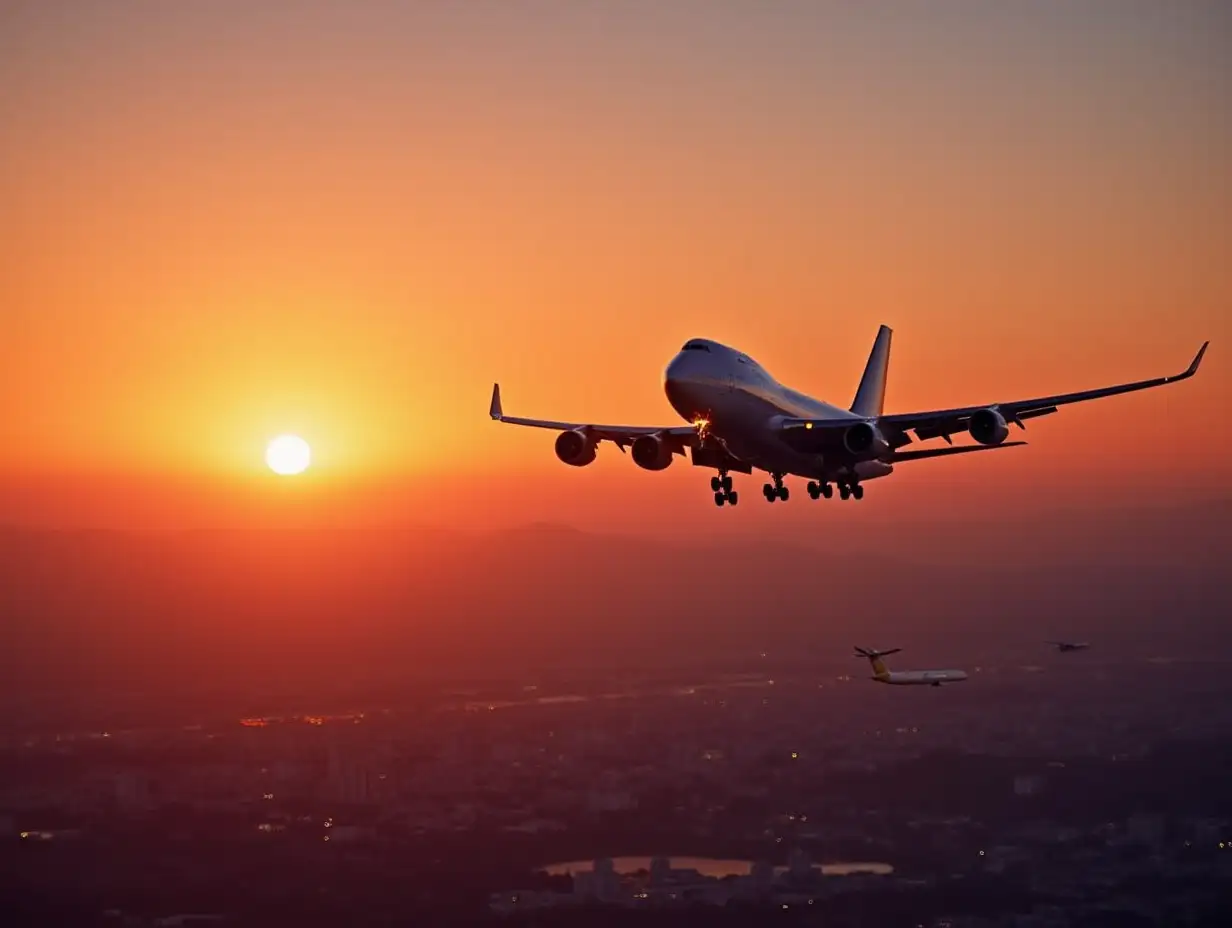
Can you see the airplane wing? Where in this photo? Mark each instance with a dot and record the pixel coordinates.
(922, 453)
(942, 423)
(679, 436)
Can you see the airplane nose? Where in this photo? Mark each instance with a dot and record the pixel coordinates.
(674, 382)
(674, 373)
(678, 383)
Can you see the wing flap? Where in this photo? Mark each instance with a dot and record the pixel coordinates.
(918, 455)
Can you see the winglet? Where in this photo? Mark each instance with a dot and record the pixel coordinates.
(495, 410)
(1196, 362)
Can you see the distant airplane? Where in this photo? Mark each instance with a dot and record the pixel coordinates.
(907, 677)
(1068, 645)
(741, 418)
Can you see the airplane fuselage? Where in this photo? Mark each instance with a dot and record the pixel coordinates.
(741, 404)
(921, 677)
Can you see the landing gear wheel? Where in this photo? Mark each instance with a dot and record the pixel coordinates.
(775, 490)
(726, 482)
(814, 489)
(826, 490)
(732, 497)
(857, 491)
(716, 484)
(844, 491)
(720, 499)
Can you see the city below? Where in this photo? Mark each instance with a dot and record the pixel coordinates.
(1065, 792)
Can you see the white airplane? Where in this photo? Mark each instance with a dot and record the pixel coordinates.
(1063, 646)
(907, 677)
(741, 418)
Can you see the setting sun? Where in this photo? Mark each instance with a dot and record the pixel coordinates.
(288, 454)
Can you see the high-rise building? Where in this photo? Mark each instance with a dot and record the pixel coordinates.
(761, 878)
(660, 871)
(607, 880)
(799, 865)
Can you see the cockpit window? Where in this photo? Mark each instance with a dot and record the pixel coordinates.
(696, 346)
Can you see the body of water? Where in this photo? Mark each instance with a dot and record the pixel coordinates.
(717, 868)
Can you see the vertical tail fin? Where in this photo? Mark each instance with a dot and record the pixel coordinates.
(875, 659)
(871, 394)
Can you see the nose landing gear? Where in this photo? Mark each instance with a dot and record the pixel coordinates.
(723, 492)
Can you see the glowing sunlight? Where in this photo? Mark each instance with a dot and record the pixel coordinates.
(288, 454)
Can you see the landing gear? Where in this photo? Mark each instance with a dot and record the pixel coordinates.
(775, 490)
(723, 492)
(816, 489)
(853, 489)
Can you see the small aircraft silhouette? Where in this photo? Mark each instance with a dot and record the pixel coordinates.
(1063, 646)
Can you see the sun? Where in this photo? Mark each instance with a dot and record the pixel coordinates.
(288, 454)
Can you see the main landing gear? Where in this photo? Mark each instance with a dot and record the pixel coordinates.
(816, 489)
(776, 490)
(853, 490)
(723, 492)
(845, 490)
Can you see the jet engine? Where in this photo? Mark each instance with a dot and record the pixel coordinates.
(988, 427)
(575, 448)
(862, 440)
(650, 452)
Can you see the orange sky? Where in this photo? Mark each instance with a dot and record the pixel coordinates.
(218, 223)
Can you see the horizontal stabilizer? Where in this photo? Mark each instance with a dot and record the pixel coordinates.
(872, 654)
(942, 452)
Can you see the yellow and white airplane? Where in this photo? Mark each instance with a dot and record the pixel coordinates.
(883, 674)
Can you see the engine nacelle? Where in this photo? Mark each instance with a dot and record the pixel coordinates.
(650, 452)
(988, 427)
(575, 448)
(862, 440)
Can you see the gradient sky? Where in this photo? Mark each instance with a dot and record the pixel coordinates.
(224, 220)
